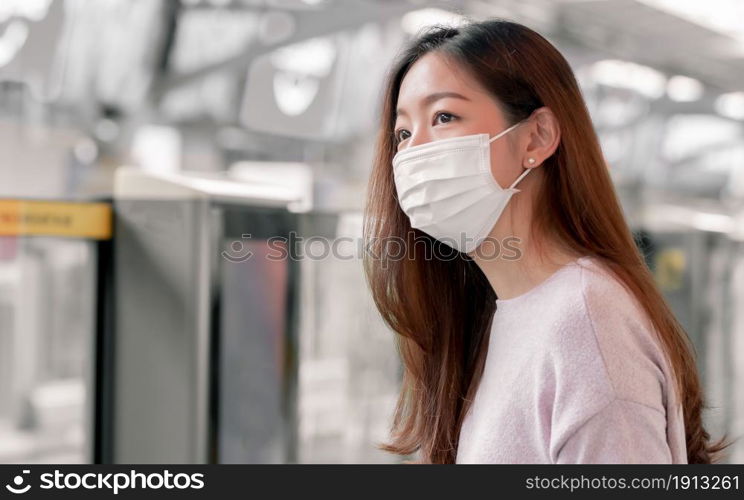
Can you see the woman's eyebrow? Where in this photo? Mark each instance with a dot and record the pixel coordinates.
(428, 100)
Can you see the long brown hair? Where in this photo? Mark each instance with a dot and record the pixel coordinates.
(442, 309)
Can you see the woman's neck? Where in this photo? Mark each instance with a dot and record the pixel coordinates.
(512, 275)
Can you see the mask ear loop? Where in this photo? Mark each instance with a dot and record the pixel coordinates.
(504, 131)
(522, 176)
(527, 171)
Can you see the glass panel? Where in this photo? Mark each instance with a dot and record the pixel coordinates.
(47, 312)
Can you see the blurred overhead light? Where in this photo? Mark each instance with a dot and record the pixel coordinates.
(730, 105)
(300, 69)
(294, 93)
(12, 41)
(718, 223)
(295, 179)
(684, 89)
(313, 57)
(624, 74)
(157, 148)
(416, 20)
(33, 10)
(724, 16)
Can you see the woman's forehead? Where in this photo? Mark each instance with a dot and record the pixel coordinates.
(434, 73)
(434, 76)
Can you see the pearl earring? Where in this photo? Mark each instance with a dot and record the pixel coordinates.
(531, 161)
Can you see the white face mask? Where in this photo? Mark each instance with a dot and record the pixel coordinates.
(447, 190)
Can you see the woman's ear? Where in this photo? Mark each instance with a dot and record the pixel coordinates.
(543, 136)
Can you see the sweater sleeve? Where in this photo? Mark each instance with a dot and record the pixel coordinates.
(622, 432)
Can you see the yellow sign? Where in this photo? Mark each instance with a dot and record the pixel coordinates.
(49, 218)
(671, 265)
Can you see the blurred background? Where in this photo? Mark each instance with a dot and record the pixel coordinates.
(155, 153)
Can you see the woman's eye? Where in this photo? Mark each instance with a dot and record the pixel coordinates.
(399, 133)
(444, 114)
(398, 137)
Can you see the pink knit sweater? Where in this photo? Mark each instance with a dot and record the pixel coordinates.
(574, 375)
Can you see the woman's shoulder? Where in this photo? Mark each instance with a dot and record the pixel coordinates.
(602, 289)
(623, 334)
(610, 367)
(610, 305)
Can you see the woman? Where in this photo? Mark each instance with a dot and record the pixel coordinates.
(530, 328)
